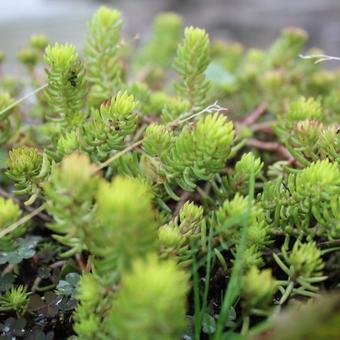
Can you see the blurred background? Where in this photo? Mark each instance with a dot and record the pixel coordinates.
(253, 22)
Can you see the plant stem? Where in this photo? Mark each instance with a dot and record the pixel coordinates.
(255, 115)
(245, 325)
(270, 146)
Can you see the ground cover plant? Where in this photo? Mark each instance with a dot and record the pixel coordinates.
(181, 189)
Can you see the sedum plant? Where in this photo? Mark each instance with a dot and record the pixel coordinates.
(153, 60)
(184, 235)
(190, 63)
(15, 298)
(257, 292)
(69, 197)
(199, 154)
(303, 265)
(5, 121)
(258, 288)
(27, 168)
(108, 127)
(193, 185)
(66, 87)
(126, 225)
(238, 179)
(150, 303)
(87, 320)
(228, 224)
(10, 212)
(101, 55)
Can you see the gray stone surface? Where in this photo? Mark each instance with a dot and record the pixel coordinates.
(253, 22)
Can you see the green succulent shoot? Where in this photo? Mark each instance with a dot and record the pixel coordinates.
(39, 42)
(305, 260)
(300, 130)
(190, 217)
(193, 57)
(5, 124)
(184, 234)
(303, 265)
(304, 109)
(87, 323)
(10, 213)
(101, 54)
(238, 179)
(245, 165)
(315, 190)
(228, 222)
(126, 226)
(89, 294)
(157, 140)
(16, 298)
(288, 46)
(29, 57)
(257, 288)
(199, 153)
(66, 87)
(151, 302)
(230, 218)
(170, 238)
(106, 130)
(24, 163)
(27, 167)
(69, 195)
(66, 144)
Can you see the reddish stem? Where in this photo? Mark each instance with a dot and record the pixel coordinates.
(255, 115)
(270, 146)
(263, 127)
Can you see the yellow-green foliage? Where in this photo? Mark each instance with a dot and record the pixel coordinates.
(194, 186)
(201, 152)
(27, 168)
(66, 88)
(101, 54)
(150, 303)
(190, 63)
(69, 197)
(9, 214)
(108, 126)
(258, 287)
(184, 235)
(126, 225)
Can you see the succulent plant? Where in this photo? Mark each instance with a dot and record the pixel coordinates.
(192, 186)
